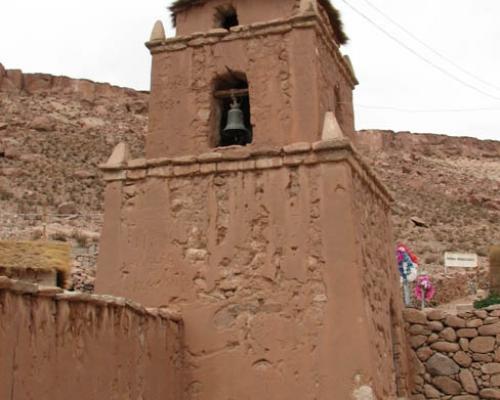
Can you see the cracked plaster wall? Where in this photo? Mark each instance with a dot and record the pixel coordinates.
(291, 71)
(53, 349)
(381, 292)
(266, 269)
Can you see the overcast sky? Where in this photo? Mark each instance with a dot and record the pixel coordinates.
(103, 40)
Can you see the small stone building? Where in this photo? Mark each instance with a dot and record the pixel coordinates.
(276, 249)
(43, 263)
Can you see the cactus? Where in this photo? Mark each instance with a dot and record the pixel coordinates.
(495, 270)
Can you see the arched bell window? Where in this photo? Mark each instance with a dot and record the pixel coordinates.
(226, 17)
(233, 110)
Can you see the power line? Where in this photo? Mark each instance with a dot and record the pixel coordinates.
(420, 110)
(428, 110)
(436, 52)
(426, 60)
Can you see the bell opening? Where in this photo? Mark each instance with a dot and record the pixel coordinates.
(234, 125)
(226, 17)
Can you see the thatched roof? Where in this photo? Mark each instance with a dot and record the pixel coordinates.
(333, 14)
(36, 255)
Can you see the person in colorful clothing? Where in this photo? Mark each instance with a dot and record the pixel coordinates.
(408, 269)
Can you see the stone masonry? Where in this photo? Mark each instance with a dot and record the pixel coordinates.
(455, 356)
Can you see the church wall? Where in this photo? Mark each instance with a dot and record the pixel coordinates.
(202, 17)
(258, 254)
(60, 346)
(280, 66)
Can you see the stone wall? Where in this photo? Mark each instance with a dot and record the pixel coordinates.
(57, 345)
(458, 284)
(455, 356)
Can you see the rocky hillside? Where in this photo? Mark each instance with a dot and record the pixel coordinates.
(54, 131)
(447, 190)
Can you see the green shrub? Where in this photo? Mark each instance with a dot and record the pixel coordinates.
(492, 299)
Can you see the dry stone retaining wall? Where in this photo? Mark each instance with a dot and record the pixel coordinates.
(57, 345)
(455, 356)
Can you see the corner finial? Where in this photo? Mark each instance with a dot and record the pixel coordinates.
(158, 33)
(308, 5)
(331, 128)
(120, 155)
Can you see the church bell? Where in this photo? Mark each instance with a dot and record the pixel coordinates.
(235, 131)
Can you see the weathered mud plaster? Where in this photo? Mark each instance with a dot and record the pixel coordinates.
(278, 255)
(295, 73)
(60, 346)
(281, 266)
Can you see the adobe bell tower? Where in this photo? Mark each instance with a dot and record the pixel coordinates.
(281, 58)
(252, 216)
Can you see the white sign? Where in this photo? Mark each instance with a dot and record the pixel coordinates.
(460, 260)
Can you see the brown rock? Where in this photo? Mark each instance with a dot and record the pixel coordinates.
(418, 367)
(454, 321)
(84, 174)
(441, 365)
(417, 329)
(417, 341)
(489, 394)
(483, 358)
(468, 381)
(12, 152)
(464, 344)
(465, 397)
(474, 323)
(447, 385)
(491, 368)
(419, 222)
(462, 359)
(414, 316)
(42, 124)
(482, 344)
(37, 82)
(489, 330)
(433, 337)
(431, 392)
(445, 347)
(467, 333)
(435, 326)
(495, 380)
(67, 208)
(419, 381)
(481, 314)
(424, 353)
(436, 315)
(13, 81)
(448, 334)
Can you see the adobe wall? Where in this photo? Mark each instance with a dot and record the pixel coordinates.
(381, 289)
(201, 18)
(455, 356)
(259, 252)
(284, 79)
(335, 89)
(59, 346)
